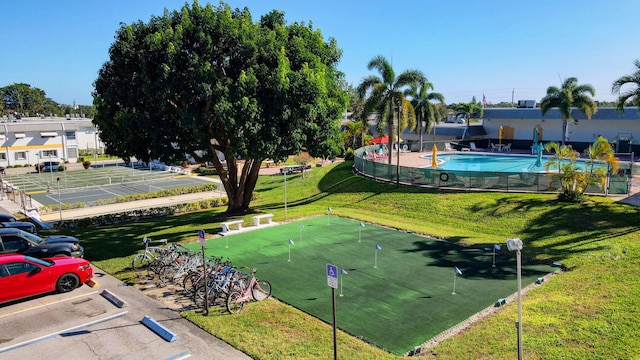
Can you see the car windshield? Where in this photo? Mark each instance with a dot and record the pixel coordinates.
(36, 239)
(42, 262)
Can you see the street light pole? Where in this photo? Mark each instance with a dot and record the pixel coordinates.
(515, 244)
(59, 202)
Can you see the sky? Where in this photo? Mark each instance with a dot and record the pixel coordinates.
(504, 50)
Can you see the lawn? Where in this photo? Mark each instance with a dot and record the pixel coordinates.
(589, 311)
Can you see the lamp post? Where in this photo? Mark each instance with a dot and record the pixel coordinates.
(59, 201)
(38, 165)
(64, 170)
(50, 167)
(515, 244)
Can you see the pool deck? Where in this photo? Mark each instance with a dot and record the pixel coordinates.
(412, 159)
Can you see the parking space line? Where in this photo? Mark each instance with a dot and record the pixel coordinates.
(75, 328)
(47, 304)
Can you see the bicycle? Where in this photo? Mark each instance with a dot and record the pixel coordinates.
(257, 289)
(150, 258)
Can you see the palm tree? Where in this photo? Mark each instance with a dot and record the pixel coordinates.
(468, 110)
(425, 110)
(632, 94)
(387, 97)
(568, 96)
(574, 181)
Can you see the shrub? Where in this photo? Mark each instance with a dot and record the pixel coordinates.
(86, 164)
(349, 154)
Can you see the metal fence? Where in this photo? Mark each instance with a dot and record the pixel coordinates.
(617, 183)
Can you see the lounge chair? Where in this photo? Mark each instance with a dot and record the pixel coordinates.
(493, 147)
(507, 148)
(447, 147)
(473, 146)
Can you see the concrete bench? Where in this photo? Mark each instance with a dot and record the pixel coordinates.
(257, 218)
(226, 225)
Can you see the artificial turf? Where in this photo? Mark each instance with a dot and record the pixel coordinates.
(396, 297)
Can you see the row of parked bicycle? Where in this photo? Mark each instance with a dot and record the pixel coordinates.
(177, 265)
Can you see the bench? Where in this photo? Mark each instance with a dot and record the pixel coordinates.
(257, 218)
(226, 225)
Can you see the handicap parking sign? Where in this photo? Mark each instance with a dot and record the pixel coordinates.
(332, 276)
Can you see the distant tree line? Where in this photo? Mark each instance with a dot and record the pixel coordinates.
(22, 100)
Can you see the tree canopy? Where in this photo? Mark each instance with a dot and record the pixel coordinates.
(208, 79)
(24, 100)
(568, 96)
(632, 94)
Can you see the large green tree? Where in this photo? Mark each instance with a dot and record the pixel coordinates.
(23, 99)
(631, 95)
(426, 111)
(205, 80)
(567, 97)
(387, 98)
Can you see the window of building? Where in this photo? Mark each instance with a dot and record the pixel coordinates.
(48, 134)
(21, 155)
(48, 153)
(71, 135)
(20, 135)
(72, 152)
(3, 156)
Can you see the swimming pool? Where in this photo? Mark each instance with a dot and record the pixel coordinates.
(490, 162)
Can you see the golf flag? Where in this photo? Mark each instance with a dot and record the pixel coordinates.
(361, 224)
(379, 248)
(496, 247)
(343, 272)
(301, 226)
(330, 209)
(291, 242)
(458, 271)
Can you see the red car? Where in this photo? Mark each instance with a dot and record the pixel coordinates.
(23, 276)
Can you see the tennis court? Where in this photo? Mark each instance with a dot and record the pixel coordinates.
(97, 183)
(397, 292)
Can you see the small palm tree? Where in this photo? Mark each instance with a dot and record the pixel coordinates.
(387, 97)
(573, 180)
(425, 110)
(468, 110)
(568, 96)
(632, 94)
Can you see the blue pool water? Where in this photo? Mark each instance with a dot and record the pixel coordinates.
(488, 162)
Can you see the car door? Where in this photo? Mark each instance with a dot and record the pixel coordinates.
(24, 279)
(18, 245)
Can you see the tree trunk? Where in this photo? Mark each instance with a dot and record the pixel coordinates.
(239, 189)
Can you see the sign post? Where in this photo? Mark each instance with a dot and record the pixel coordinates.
(201, 236)
(332, 281)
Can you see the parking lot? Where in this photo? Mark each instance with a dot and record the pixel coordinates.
(85, 324)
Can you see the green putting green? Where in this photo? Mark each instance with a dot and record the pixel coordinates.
(395, 297)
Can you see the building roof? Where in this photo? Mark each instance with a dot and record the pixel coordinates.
(608, 113)
(52, 124)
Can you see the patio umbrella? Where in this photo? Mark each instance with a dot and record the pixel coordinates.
(380, 140)
(434, 157)
(500, 135)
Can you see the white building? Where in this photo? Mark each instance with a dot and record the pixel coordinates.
(29, 141)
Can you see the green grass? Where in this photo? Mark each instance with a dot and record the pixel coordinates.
(588, 312)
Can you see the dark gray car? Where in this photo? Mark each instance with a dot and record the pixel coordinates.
(22, 242)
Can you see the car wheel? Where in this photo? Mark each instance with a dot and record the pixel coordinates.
(67, 282)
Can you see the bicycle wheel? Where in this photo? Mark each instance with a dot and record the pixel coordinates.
(140, 262)
(233, 304)
(198, 297)
(167, 274)
(261, 290)
(191, 282)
